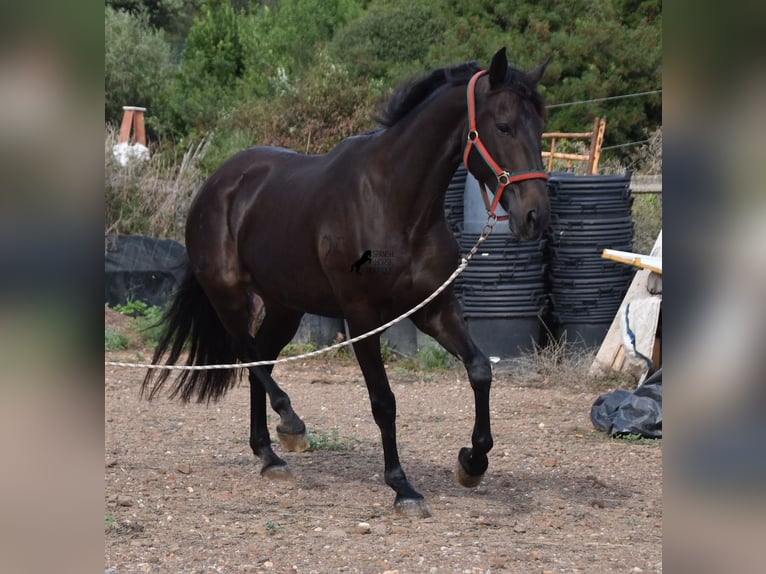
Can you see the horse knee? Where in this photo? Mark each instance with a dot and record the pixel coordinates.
(479, 372)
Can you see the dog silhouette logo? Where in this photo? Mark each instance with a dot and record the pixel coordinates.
(365, 258)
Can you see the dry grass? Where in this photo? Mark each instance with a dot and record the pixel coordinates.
(150, 197)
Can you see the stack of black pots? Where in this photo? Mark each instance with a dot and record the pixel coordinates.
(503, 289)
(589, 214)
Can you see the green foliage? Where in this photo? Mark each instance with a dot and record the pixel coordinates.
(306, 73)
(138, 63)
(600, 48)
(390, 40)
(647, 216)
(272, 526)
(114, 340)
(432, 357)
(637, 439)
(147, 319)
(293, 349)
(280, 41)
(175, 17)
(332, 441)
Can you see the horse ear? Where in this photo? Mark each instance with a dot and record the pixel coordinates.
(537, 74)
(498, 69)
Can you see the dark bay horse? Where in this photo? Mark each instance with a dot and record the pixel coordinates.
(291, 234)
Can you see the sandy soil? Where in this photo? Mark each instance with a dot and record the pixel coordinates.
(184, 492)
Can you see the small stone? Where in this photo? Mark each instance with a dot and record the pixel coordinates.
(123, 500)
(390, 572)
(363, 528)
(379, 529)
(519, 528)
(184, 469)
(541, 426)
(549, 462)
(637, 570)
(268, 564)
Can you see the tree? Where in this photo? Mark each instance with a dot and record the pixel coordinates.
(137, 61)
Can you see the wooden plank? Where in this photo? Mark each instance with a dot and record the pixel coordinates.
(569, 135)
(127, 121)
(562, 155)
(610, 355)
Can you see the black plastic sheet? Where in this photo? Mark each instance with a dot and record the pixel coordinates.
(142, 268)
(624, 412)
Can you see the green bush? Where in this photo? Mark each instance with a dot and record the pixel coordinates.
(390, 40)
(114, 340)
(138, 64)
(147, 319)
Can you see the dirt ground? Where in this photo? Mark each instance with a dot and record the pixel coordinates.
(183, 491)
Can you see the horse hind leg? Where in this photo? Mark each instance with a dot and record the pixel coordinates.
(239, 309)
(276, 330)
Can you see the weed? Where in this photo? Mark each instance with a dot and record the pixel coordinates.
(293, 349)
(147, 319)
(332, 441)
(272, 526)
(637, 439)
(110, 522)
(647, 215)
(387, 352)
(114, 340)
(433, 358)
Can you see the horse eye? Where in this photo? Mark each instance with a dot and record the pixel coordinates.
(505, 129)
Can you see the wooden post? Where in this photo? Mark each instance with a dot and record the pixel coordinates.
(133, 117)
(596, 141)
(553, 153)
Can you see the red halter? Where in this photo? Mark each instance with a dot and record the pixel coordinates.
(504, 178)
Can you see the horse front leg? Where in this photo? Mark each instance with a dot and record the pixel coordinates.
(408, 500)
(443, 320)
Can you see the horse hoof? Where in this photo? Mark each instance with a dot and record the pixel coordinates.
(412, 508)
(278, 473)
(465, 479)
(294, 442)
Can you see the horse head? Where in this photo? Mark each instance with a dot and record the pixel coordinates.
(506, 119)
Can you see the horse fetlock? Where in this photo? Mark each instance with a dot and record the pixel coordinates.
(482, 443)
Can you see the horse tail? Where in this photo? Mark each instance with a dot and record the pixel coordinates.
(192, 320)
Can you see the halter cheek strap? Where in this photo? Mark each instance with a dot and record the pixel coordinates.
(504, 178)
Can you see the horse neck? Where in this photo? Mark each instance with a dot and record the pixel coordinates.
(424, 152)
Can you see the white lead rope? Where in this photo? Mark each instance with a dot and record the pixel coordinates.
(463, 264)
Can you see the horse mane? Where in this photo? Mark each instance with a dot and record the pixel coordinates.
(411, 94)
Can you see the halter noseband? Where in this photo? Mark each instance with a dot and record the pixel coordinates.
(504, 178)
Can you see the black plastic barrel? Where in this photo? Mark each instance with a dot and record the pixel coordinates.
(589, 214)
